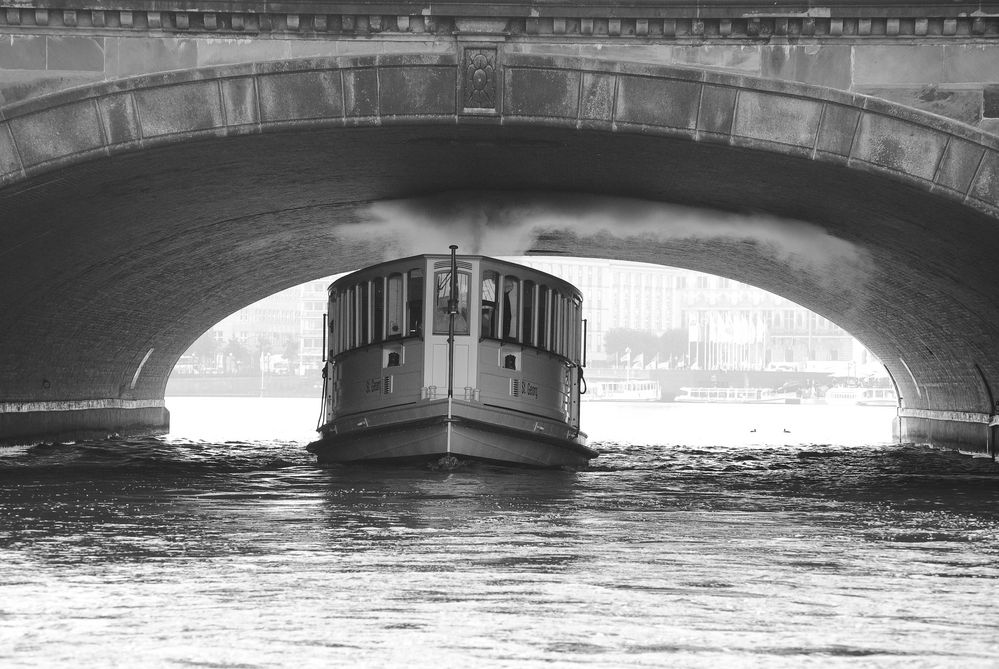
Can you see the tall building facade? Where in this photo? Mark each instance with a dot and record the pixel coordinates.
(263, 335)
(728, 324)
(633, 296)
(313, 298)
(731, 325)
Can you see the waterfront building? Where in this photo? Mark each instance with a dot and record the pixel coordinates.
(728, 324)
(265, 335)
(617, 295)
(312, 299)
(732, 325)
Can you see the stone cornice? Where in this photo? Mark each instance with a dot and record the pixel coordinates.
(731, 9)
(652, 21)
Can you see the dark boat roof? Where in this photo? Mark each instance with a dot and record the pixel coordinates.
(353, 276)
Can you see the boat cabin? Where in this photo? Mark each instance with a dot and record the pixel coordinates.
(517, 346)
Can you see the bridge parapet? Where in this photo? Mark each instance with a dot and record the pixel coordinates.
(942, 58)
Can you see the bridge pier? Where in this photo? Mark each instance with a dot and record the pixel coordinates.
(32, 422)
(960, 431)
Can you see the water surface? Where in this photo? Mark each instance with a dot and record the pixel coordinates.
(750, 536)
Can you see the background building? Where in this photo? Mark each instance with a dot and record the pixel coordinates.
(281, 334)
(638, 315)
(312, 297)
(702, 321)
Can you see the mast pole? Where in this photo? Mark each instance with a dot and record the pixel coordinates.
(452, 310)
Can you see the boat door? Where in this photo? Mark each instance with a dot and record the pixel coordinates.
(438, 294)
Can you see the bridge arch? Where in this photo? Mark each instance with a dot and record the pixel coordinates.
(126, 203)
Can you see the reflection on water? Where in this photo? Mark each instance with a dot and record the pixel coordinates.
(670, 549)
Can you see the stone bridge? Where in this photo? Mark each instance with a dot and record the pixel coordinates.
(163, 164)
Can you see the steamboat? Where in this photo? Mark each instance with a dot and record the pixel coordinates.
(445, 358)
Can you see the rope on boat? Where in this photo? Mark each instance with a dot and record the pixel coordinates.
(322, 407)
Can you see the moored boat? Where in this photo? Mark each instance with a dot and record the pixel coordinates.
(465, 357)
(736, 396)
(879, 396)
(635, 390)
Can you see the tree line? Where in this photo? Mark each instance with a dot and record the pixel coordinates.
(669, 344)
(240, 358)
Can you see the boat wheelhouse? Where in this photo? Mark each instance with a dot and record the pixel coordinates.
(438, 356)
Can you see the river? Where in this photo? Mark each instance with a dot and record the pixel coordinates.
(702, 536)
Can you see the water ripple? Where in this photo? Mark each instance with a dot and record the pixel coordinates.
(247, 553)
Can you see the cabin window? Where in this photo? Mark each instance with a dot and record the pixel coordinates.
(489, 280)
(340, 320)
(553, 322)
(378, 310)
(334, 321)
(511, 308)
(414, 305)
(570, 339)
(363, 314)
(543, 317)
(442, 296)
(394, 306)
(527, 313)
(572, 327)
(351, 320)
(346, 322)
(577, 335)
(566, 329)
(557, 325)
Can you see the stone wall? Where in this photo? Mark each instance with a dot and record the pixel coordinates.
(939, 59)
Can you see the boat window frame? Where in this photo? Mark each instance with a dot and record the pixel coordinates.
(510, 331)
(576, 320)
(491, 331)
(400, 307)
(342, 329)
(443, 327)
(542, 309)
(333, 325)
(351, 318)
(528, 311)
(363, 313)
(377, 309)
(556, 322)
(415, 317)
(570, 329)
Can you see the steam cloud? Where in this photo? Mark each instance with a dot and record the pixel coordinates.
(510, 224)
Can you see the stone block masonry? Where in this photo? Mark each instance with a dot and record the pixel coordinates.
(940, 58)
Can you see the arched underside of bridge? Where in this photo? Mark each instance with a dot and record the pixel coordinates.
(137, 214)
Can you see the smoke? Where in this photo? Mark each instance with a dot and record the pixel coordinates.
(510, 224)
